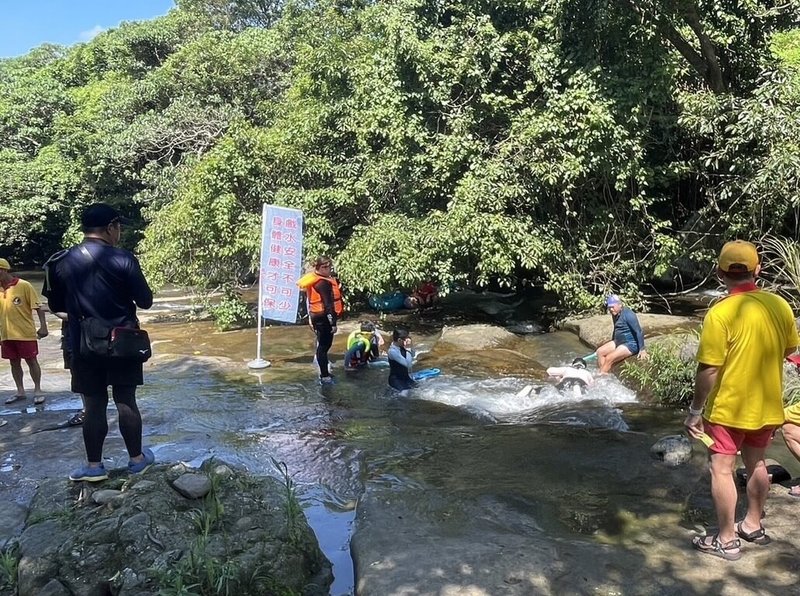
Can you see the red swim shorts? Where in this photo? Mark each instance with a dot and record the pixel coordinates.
(728, 441)
(18, 349)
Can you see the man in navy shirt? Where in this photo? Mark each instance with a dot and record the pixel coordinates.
(627, 339)
(97, 279)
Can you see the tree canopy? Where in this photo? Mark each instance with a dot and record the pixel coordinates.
(580, 146)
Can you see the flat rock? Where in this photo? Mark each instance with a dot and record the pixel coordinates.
(473, 337)
(12, 520)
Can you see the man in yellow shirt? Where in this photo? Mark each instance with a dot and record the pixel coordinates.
(738, 394)
(791, 435)
(18, 333)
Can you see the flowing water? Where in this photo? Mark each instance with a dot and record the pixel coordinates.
(464, 430)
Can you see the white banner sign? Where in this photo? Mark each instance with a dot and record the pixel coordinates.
(281, 262)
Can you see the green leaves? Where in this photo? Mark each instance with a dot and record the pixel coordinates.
(569, 144)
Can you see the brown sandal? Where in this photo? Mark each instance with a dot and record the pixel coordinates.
(759, 536)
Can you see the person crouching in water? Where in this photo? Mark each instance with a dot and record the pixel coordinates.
(324, 308)
(400, 359)
(573, 378)
(362, 346)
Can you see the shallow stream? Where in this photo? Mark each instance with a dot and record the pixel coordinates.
(552, 456)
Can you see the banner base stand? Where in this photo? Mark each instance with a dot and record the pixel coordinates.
(259, 363)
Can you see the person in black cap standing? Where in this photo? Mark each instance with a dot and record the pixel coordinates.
(97, 279)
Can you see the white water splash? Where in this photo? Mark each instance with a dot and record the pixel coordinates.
(499, 399)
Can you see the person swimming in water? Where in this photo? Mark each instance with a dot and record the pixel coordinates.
(575, 377)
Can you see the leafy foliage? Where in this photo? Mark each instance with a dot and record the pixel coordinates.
(231, 311)
(666, 377)
(580, 146)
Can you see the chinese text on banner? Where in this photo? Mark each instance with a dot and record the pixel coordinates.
(281, 263)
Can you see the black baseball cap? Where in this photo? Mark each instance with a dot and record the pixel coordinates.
(99, 215)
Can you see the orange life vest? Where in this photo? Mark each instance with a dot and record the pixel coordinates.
(315, 304)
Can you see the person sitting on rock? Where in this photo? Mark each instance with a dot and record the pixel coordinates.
(362, 346)
(572, 378)
(627, 339)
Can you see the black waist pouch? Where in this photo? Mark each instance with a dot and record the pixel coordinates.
(129, 342)
(101, 339)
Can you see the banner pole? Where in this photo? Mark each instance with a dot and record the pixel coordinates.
(259, 362)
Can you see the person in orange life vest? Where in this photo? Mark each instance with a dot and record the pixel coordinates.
(325, 306)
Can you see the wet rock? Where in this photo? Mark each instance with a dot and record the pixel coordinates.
(673, 450)
(525, 328)
(193, 486)
(153, 539)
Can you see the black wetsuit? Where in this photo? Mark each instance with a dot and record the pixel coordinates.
(323, 324)
(399, 368)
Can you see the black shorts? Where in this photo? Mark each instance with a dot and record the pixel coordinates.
(92, 376)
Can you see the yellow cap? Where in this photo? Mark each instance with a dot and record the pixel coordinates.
(4, 264)
(738, 255)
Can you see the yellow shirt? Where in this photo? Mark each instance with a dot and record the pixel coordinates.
(792, 413)
(17, 302)
(746, 335)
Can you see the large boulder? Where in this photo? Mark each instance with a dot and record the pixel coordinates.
(474, 337)
(245, 534)
(596, 330)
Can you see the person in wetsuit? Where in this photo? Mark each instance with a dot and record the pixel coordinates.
(400, 359)
(325, 306)
(627, 339)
